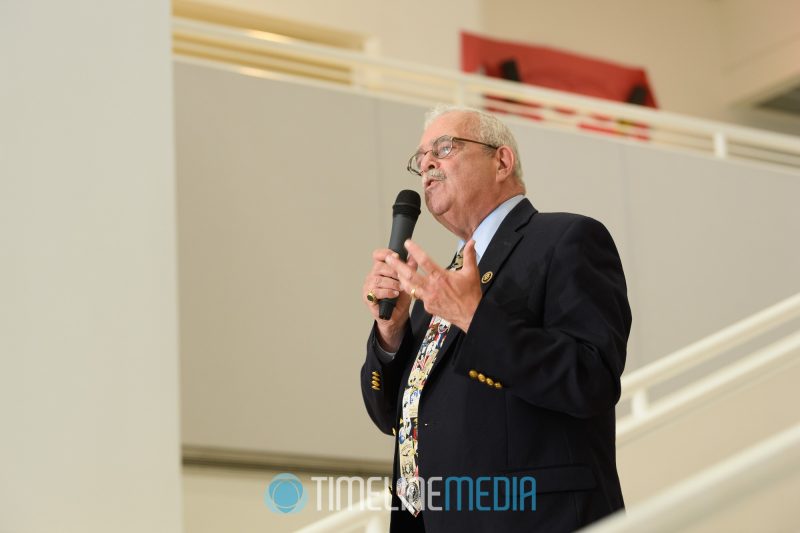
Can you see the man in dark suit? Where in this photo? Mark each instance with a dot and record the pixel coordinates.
(508, 369)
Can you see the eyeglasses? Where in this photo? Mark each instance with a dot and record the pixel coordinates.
(442, 148)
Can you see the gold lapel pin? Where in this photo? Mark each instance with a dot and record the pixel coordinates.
(487, 277)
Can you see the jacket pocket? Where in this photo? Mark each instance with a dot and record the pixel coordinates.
(565, 478)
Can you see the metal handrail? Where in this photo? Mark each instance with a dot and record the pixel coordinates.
(715, 488)
(636, 385)
(710, 346)
(703, 390)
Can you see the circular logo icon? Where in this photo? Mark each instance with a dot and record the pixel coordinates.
(285, 494)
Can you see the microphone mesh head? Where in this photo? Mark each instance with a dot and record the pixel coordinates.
(407, 204)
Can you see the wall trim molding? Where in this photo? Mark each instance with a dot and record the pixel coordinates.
(231, 458)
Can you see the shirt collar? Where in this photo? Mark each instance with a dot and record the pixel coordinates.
(488, 226)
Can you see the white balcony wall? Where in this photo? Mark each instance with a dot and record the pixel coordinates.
(284, 189)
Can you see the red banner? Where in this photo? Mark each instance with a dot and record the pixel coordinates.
(555, 69)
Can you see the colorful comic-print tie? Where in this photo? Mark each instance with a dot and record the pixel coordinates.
(409, 489)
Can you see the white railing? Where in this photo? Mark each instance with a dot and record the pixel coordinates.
(263, 54)
(637, 386)
(713, 490)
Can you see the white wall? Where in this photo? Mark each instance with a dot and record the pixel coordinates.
(761, 44)
(415, 30)
(88, 334)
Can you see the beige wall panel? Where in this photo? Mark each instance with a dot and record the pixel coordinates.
(713, 242)
(278, 212)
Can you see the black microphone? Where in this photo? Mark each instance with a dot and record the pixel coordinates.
(405, 212)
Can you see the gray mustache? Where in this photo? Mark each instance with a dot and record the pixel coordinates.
(436, 174)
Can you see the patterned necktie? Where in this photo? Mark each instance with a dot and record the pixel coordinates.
(409, 489)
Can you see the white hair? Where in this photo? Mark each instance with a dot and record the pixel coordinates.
(490, 131)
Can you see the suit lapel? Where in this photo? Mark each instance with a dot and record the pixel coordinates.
(503, 242)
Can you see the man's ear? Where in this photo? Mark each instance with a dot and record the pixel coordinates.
(505, 163)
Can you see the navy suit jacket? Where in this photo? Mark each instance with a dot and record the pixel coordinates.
(530, 390)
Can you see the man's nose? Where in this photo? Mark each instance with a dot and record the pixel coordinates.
(428, 161)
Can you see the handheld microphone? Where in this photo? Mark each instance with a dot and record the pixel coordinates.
(405, 212)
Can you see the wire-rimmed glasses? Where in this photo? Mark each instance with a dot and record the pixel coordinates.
(442, 147)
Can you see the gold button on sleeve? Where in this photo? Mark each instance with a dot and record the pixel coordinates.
(490, 382)
(481, 378)
(498, 385)
(473, 374)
